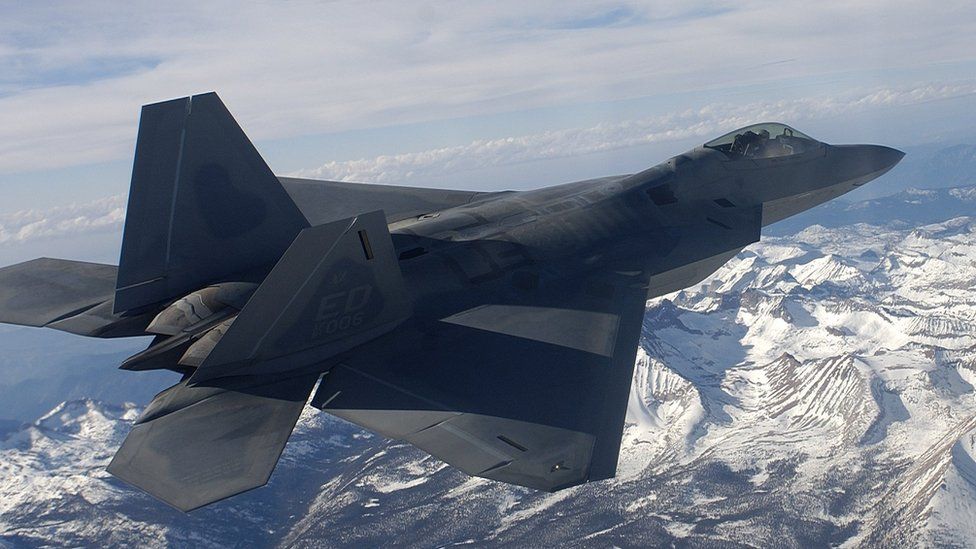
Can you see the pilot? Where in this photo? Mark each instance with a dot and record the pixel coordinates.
(759, 148)
(747, 143)
(741, 141)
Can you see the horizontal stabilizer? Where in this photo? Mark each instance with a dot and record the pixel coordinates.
(338, 285)
(72, 296)
(196, 445)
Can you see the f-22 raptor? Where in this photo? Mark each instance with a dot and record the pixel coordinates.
(496, 331)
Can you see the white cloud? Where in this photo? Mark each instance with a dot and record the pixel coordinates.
(73, 74)
(706, 122)
(107, 214)
(102, 215)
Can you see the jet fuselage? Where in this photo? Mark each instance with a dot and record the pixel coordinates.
(496, 331)
(502, 245)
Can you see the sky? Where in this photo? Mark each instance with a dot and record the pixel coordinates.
(490, 95)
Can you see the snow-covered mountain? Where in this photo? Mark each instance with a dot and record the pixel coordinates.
(817, 390)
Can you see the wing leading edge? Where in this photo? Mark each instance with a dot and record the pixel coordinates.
(326, 201)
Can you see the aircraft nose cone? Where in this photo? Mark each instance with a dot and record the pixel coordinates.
(881, 158)
(859, 164)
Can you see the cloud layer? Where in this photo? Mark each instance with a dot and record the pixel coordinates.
(107, 214)
(102, 215)
(706, 122)
(73, 74)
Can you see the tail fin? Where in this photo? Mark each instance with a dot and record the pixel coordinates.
(337, 286)
(203, 204)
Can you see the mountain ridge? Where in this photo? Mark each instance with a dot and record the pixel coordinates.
(816, 390)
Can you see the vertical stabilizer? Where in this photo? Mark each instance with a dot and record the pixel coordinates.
(203, 205)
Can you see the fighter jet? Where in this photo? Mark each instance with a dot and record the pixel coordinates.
(496, 331)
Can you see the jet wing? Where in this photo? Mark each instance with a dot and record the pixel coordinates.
(531, 390)
(326, 201)
(71, 296)
(527, 393)
(195, 445)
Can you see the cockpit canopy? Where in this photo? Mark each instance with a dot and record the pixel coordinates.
(768, 140)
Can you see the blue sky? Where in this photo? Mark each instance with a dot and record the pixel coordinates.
(486, 95)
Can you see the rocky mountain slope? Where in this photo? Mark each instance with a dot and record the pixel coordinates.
(817, 390)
